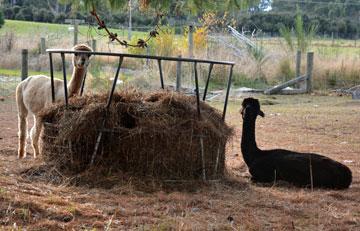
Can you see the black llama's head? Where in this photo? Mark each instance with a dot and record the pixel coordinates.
(251, 108)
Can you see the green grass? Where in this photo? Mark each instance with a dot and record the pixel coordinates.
(26, 28)
(322, 46)
(17, 73)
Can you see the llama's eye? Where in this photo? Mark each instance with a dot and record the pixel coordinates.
(76, 54)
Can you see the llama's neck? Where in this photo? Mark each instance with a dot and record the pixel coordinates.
(249, 148)
(76, 80)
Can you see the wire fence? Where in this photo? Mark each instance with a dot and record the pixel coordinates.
(7, 93)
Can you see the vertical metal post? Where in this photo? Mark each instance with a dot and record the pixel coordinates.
(199, 117)
(42, 45)
(83, 84)
(52, 78)
(178, 74)
(217, 160)
(202, 158)
(208, 80)
(161, 74)
(227, 92)
(64, 79)
(309, 69)
(98, 140)
(114, 83)
(197, 89)
(24, 64)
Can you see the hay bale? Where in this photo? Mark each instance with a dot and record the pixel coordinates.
(155, 134)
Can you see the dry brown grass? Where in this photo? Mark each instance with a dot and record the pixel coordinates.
(324, 124)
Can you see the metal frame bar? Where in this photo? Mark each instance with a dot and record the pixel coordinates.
(64, 78)
(121, 59)
(161, 74)
(227, 92)
(83, 84)
(52, 78)
(139, 56)
(197, 89)
(159, 59)
(208, 80)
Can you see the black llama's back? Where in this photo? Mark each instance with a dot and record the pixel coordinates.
(280, 164)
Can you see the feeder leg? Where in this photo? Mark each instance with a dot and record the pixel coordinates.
(202, 158)
(217, 160)
(96, 148)
(98, 140)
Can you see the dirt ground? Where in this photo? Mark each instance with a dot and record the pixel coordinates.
(328, 125)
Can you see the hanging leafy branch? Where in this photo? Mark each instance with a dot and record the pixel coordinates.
(141, 43)
(192, 6)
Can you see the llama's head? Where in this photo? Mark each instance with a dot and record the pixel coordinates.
(251, 107)
(81, 60)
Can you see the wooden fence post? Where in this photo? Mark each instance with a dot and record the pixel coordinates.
(191, 47)
(93, 44)
(42, 46)
(298, 67)
(75, 33)
(147, 53)
(178, 75)
(191, 41)
(309, 69)
(24, 64)
(130, 21)
(298, 63)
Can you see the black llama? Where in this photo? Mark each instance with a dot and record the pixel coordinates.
(278, 164)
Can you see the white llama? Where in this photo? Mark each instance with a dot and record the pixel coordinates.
(34, 93)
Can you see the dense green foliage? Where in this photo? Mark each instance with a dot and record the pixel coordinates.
(338, 17)
(1, 18)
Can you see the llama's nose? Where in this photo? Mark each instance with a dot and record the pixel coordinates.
(82, 62)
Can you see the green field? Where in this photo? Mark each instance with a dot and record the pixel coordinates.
(336, 62)
(10, 72)
(26, 28)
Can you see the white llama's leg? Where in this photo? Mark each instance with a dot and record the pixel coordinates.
(35, 134)
(22, 122)
(22, 134)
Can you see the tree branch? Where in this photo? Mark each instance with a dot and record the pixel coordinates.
(141, 43)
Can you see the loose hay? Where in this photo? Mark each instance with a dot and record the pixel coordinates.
(147, 135)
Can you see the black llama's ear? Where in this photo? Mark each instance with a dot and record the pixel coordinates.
(261, 113)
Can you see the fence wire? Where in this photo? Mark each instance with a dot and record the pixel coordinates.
(7, 93)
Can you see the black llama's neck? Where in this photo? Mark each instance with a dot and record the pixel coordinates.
(249, 148)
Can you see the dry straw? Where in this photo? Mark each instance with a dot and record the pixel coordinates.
(153, 135)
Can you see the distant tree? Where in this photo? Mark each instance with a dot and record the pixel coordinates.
(25, 13)
(303, 34)
(1, 18)
(192, 6)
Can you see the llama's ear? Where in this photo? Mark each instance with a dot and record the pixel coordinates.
(242, 112)
(261, 113)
